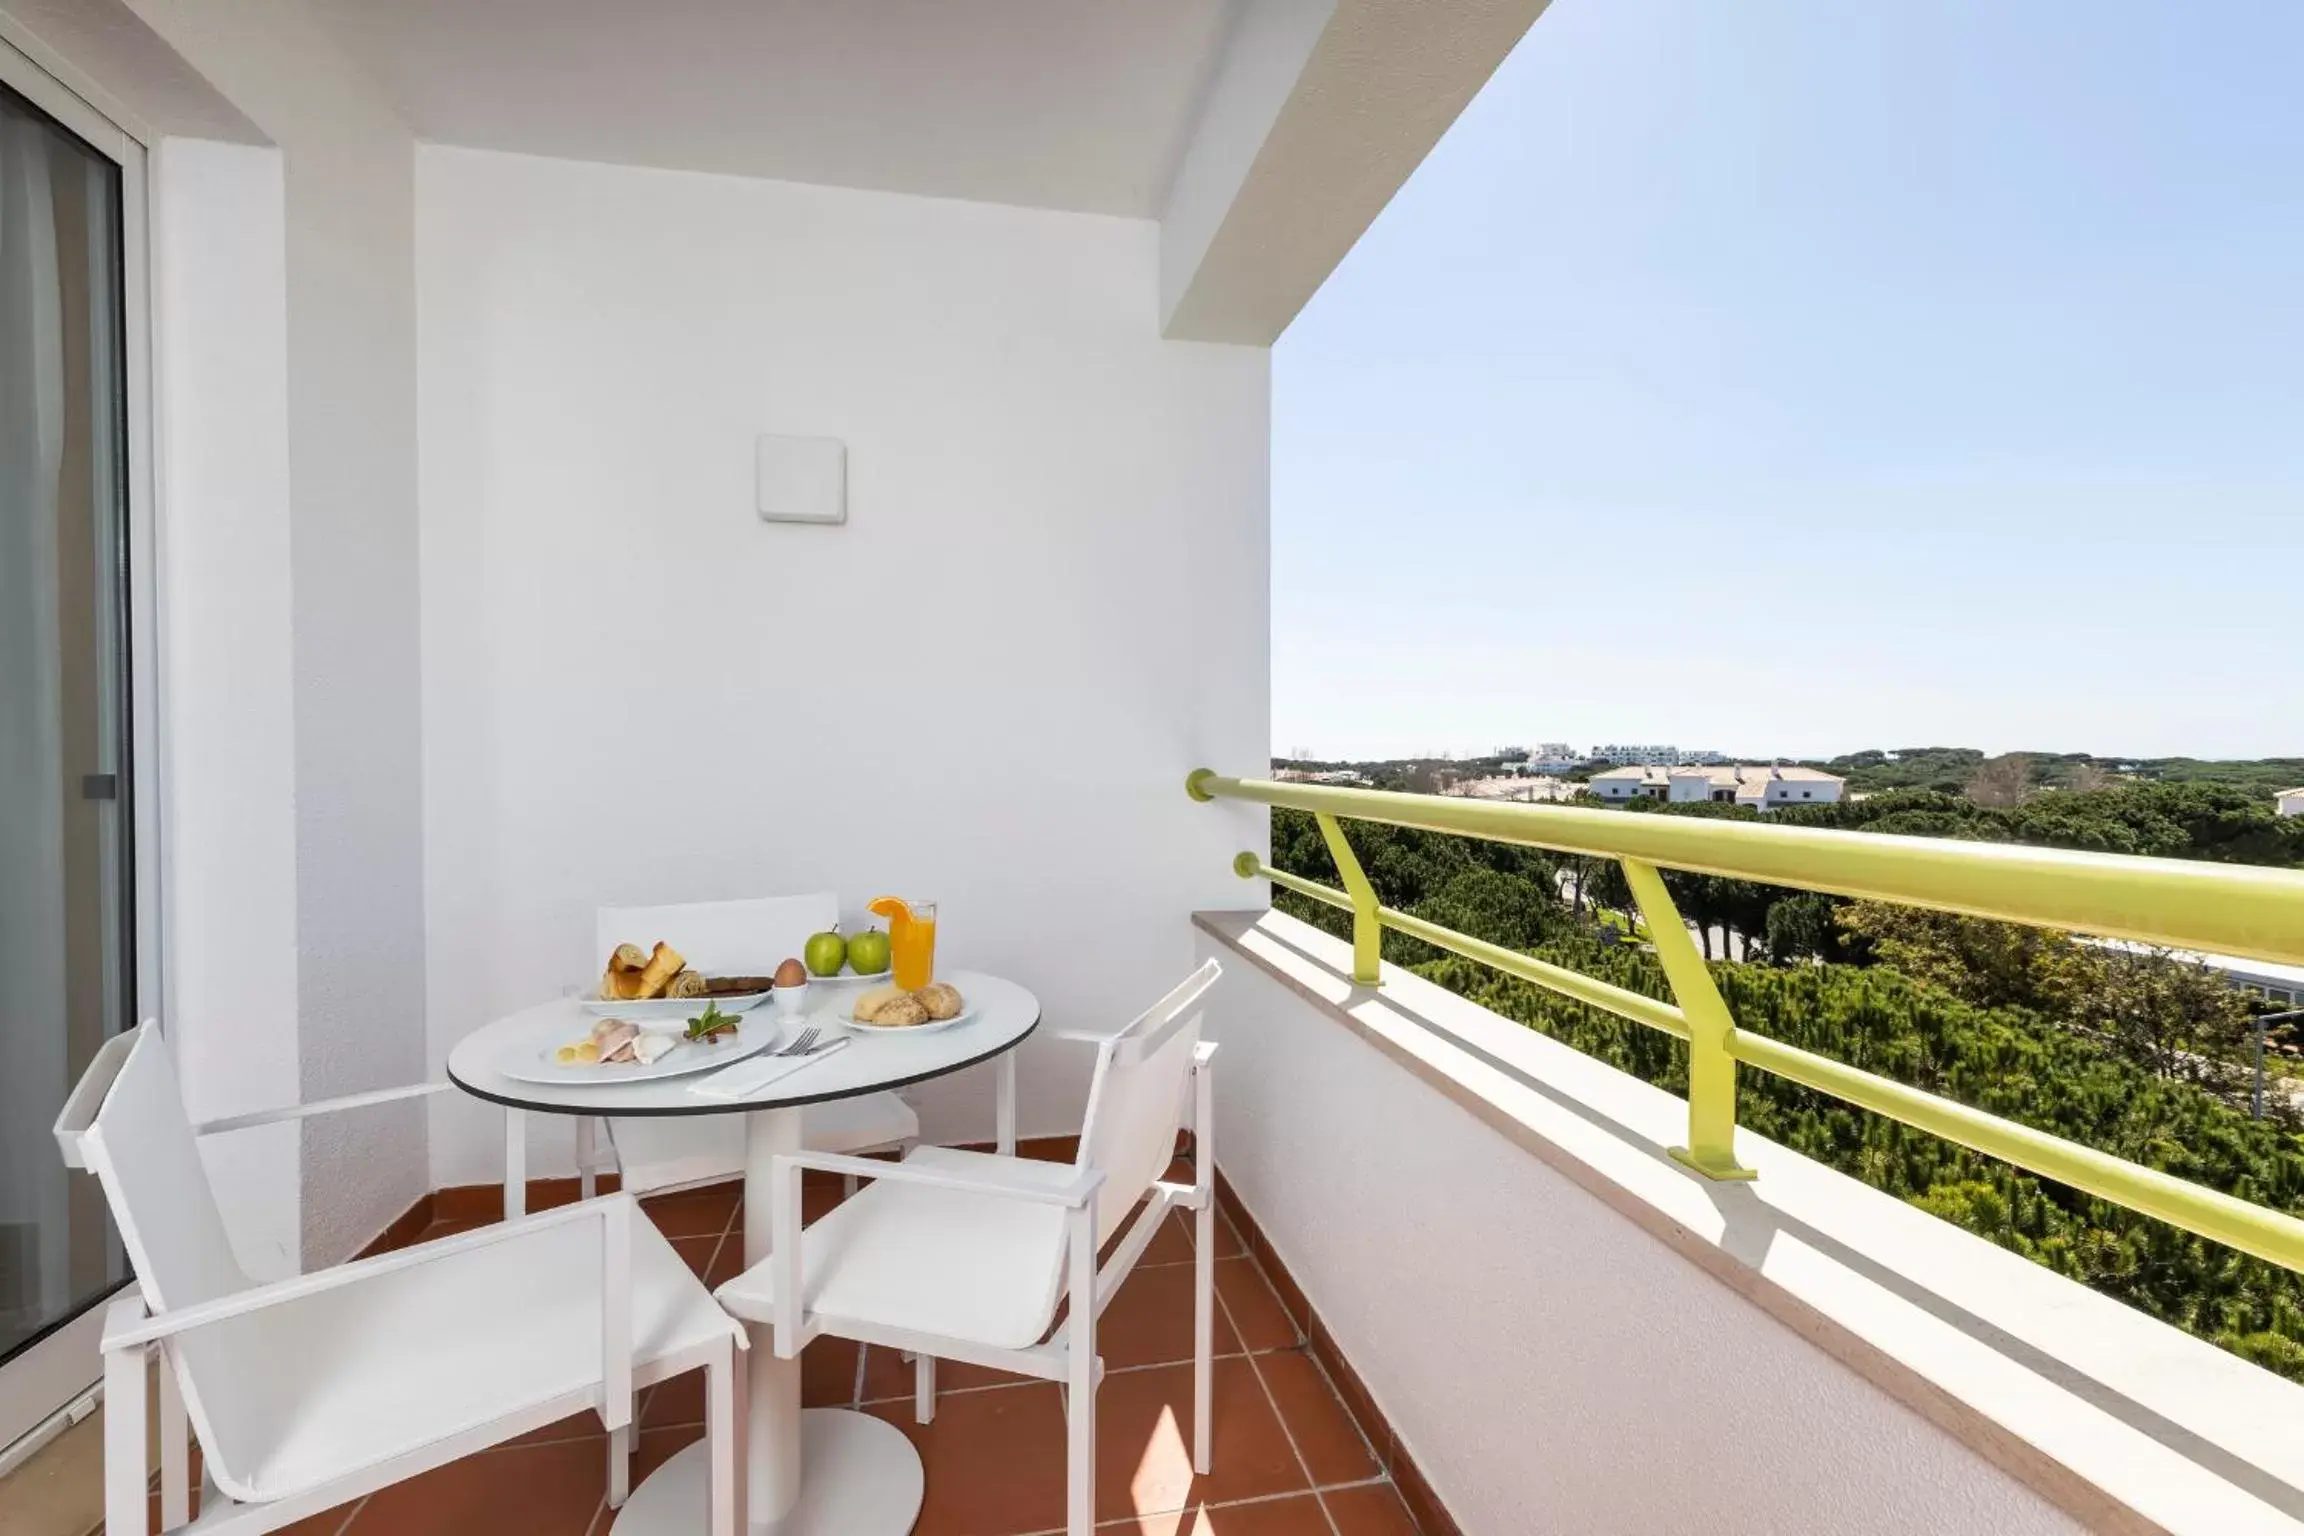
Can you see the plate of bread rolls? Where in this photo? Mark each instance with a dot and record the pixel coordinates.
(888, 1010)
(659, 984)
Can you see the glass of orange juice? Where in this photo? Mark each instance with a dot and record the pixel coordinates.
(912, 946)
(911, 940)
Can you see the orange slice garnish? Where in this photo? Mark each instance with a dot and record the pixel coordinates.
(889, 907)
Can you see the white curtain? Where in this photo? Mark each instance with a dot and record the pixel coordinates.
(32, 916)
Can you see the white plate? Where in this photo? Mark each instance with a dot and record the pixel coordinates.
(848, 975)
(641, 1010)
(530, 1060)
(967, 1012)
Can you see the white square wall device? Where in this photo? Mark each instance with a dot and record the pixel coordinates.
(801, 479)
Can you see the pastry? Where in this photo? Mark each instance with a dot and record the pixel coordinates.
(621, 983)
(941, 999)
(663, 965)
(689, 983)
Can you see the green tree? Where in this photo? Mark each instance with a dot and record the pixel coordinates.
(1989, 963)
(2070, 1073)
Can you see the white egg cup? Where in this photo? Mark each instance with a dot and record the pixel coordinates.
(789, 1002)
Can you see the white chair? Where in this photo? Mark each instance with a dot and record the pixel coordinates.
(659, 1153)
(965, 1255)
(310, 1391)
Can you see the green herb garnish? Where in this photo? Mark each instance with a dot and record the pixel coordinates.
(711, 1024)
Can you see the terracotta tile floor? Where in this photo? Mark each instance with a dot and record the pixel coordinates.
(1289, 1461)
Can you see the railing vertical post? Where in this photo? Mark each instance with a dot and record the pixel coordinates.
(1367, 931)
(1711, 1148)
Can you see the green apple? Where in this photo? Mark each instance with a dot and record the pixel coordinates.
(868, 952)
(825, 953)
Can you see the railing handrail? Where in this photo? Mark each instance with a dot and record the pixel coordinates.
(2232, 909)
(2047, 887)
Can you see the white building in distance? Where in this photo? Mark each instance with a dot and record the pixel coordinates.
(1656, 757)
(2290, 802)
(1550, 760)
(1762, 787)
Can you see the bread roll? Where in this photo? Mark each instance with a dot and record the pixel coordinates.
(941, 999)
(868, 1002)
(888, 1007)
(903, 1010)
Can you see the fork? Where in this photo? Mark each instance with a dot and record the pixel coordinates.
(803, 1043)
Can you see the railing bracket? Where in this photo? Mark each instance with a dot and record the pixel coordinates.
(1367, 925)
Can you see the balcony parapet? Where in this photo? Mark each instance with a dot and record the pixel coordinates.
(1416, 1195)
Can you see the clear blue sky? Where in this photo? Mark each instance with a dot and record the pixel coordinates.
(1797, 376)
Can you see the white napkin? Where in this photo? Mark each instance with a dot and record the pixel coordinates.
(747, 1078)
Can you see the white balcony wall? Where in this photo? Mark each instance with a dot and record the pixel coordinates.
(1049, 601)
(306, 728)
(1528, 1342)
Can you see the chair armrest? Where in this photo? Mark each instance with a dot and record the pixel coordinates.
(274, 1293)
(1073, 1195)
(613, 1212)
(316, 1107)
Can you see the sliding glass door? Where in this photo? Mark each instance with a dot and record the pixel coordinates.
(68, 958)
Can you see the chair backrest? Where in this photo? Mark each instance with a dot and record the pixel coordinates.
(1136, 1100)
(731, 937)
(740, 938)
(126, 1123)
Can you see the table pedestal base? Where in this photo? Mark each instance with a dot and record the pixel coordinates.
(859, 1476)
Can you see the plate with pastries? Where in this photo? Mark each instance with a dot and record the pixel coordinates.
(887, 1010)
(642, 984)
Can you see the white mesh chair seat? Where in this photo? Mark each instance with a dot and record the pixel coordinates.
(356, 1377)
(959, 1264)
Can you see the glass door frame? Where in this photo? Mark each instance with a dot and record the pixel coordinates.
(57, 1373)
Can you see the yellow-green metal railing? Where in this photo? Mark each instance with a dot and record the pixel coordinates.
(2228, 909)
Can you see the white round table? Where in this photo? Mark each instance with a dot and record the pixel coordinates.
(826, 1471)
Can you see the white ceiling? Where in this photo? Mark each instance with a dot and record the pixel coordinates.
(1080, 104)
